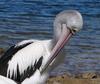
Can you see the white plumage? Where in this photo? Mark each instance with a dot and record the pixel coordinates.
(27, 56)
(30, 61)
(5, 80)
(35, 79)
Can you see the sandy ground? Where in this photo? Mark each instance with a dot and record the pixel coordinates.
(84, 78)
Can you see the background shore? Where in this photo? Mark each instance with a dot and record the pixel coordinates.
(56, 80)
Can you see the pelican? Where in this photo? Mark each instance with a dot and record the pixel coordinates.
(31, 61)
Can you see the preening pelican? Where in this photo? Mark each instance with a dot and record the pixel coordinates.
(34, 59)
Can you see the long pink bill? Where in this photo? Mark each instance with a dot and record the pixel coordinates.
(66, 34)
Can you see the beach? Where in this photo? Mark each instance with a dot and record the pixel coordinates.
(73, 81)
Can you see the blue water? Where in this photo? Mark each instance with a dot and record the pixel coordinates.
(25, 19)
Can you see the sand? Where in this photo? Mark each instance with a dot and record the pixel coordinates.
(85, 78)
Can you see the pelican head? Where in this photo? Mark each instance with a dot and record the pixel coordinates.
(72, 19)
(66, 24)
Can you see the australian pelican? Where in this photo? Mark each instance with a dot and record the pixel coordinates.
(30, 61)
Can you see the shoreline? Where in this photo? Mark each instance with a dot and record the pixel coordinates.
(85, 78)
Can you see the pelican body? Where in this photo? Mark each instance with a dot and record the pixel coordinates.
(31, 61)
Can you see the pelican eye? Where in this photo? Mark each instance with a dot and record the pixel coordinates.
(73, 30)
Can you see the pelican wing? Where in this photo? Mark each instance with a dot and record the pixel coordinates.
(25, 58)
(13, 50)
(8, 55)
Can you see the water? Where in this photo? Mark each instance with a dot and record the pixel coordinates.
(25, 19)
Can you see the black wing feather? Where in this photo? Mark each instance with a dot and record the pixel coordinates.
(8, 55)
(11, 51)
(31, 69)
